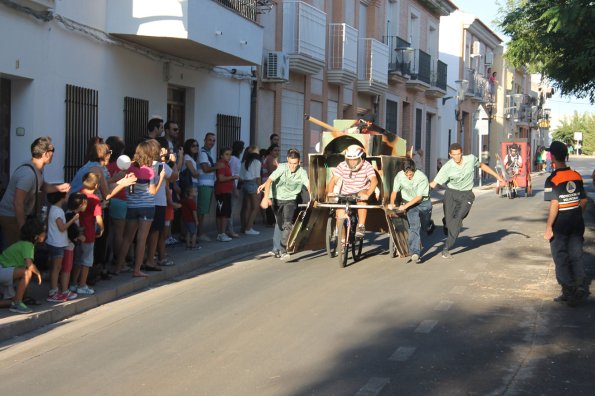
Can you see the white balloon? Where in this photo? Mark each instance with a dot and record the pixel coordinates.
(123, 162)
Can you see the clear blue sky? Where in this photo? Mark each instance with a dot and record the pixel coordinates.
(487, 11)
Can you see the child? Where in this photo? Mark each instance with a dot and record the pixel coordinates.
(17, 266)
(223, 188)
(190, 216)
(91, 221)
(141, 204)
(56, 242)
(77, 203)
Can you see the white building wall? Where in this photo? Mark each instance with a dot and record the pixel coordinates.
(43, 57)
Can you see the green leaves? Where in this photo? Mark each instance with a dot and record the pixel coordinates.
(556, 38)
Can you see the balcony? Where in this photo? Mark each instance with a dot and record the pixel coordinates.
(438, 82)
(478, 89)
(304, 32)
(372, 67)
(342, 62)
(37, 5)
(228, 36)
(400, 58)
(421, 72)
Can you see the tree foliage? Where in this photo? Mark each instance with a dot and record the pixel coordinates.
(584, 123)
(555, 38)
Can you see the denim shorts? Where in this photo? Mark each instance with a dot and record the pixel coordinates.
(146, 213)
(6, 282)
(249, 186)
(83, 254)
(54, 251)
(191, 228)
(117, 209)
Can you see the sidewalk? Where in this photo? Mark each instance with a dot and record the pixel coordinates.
(212, 255)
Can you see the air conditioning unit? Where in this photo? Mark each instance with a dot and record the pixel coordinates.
(489, 58)
(275, 67)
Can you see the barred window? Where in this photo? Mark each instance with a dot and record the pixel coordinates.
(136, 116)
(228, 129)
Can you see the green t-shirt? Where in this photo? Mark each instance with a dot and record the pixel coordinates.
(15, 254)
(458, 177)
(287, 185)
(410, 189)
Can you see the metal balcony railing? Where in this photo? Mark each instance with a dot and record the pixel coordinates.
(246, 8)
(343, 48)
(304, 30)
(373, 61)
(424, 67)
(439, 75)
(400, 54)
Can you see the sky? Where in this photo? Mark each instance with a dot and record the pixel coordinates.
(487, 11)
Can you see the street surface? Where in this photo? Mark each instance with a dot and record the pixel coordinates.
(481, 324)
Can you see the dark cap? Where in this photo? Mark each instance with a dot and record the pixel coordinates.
(558, 150)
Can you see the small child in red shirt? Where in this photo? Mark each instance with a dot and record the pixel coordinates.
(223, 188)
(190, 215)
(91, 220)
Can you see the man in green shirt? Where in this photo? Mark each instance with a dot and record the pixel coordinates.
(281, 190)
(457, 175)
(415, 193)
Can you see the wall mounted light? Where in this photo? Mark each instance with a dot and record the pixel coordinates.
(218, 33)
(243, 42)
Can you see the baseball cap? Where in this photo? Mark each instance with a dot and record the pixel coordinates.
(558, 150)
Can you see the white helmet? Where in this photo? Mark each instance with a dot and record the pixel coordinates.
(354, 152)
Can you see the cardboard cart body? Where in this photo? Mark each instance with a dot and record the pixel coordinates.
(309, 231)
(514, 166)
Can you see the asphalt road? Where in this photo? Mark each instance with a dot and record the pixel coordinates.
(480, 324)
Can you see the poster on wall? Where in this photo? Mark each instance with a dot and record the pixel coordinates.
(516, 160)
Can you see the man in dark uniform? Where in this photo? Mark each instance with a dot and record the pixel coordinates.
(565, 226)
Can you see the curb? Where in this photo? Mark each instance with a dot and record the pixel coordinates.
(18, 325)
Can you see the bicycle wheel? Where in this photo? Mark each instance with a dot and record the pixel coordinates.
(343, 248)
(331, 236)
(356, 248)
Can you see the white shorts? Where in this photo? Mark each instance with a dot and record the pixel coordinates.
(83, 254)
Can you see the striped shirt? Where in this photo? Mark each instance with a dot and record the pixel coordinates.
(354, 181)
(140, 197)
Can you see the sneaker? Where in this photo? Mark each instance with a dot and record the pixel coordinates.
(446, 254)
(86, 290)
(204, 238)
(223, 238)
(232, 234)
(251, 231)
(52, 292)
(360, 231)
(415, 258)
(57, 297)
(70, 295)
(171, 241)
(19, 307)
(285, 256)
(73, 288)
(166, 262)
(562, 298)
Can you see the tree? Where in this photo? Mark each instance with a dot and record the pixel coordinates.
(584, 123)
(554, 38)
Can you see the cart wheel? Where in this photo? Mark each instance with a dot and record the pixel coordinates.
(343, 249)
(356, 248)
(392, 249)
(331, 236)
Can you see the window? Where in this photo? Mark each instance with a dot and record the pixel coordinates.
(136, 117)
(81, 125)
(392, 108)
(229, 130)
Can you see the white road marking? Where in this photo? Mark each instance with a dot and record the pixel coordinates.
(443, 305)
(373, 387)
(426, 326)
(402, 353)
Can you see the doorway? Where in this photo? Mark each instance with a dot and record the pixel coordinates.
(176, 110)
(4, 134)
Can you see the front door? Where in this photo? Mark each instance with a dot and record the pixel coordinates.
(176, 110)
(4, 134)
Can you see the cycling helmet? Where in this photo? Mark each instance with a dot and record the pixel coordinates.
(355, 152)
